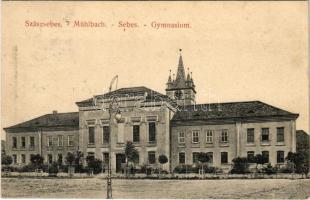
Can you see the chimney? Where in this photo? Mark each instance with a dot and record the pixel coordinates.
(55, 115)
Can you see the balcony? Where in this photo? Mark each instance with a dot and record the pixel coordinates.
(224, 144)
(265, 142)
(23, 148)
(280, 143)
(250, 144)
(209, 144)
(182, 144)
(89, 145)
(32, 148)
(151, 144)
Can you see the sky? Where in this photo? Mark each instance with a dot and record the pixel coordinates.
(237, 51)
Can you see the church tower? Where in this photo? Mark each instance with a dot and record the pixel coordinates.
(181, 88)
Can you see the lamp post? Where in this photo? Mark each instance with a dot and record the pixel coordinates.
(113, 110)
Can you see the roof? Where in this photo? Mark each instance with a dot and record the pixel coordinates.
(54, 120)
(151, 95)
(232, 111)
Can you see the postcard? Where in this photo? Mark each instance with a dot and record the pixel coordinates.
(154, 99)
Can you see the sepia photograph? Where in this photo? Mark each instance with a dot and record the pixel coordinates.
(155, 100)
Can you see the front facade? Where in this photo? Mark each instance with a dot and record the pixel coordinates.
(145, 120)
(157, 124)
(52, 136)
(225, 139)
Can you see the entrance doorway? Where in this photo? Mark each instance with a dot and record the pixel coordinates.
(120, 158)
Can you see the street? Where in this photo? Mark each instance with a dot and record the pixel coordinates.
(122, 188)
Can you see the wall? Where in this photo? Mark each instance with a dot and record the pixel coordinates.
(162, 145)
(41, 146)
(237, 145)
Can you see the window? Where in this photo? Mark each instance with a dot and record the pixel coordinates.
(280, 156)
(224, 157)
(106, 158)
(151, 156)
(14, 142)
(49, 141)
(195, 157)
(250, 135)
(136, 133)
(250, 156)
(181, 158)
(59, 159)
(60, 140)
(181, 137)
(23, 158)
(50, 158)
(209, 137)
(265, 155)
(210, 155)
(91, 135)
(224, 136)
(195, 137)
(280, 134)
(23, 142)
(14, 159)
(265, 134)
(152, 132)
(106, 134)
(32, 141)
(70, 140)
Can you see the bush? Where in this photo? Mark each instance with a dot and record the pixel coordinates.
(270, 170)
(285, 170)
(240, 166)
(53, 168)
(95, 165)
(182, 169)
(79, 169)
(29, 168)
(37, 159)
(6, 160)
(162, 159)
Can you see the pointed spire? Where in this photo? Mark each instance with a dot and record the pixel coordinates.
(169, 78)
(192, 81)
(188, 78)
(180, 78)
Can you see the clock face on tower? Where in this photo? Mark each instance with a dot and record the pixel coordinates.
(178, 94)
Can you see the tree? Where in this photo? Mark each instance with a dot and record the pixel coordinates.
(303, 147)
(299, 162)
(53, 169)
(240, 165)
(203, 158)
(37, 160)
(70, 158)
(259, 160)
(162, 159)
(77, 160)
(6, 160)
(94, 164)
(131, 154)
(77, 157)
